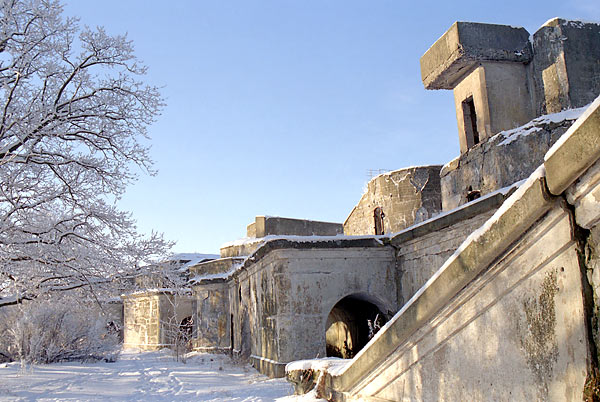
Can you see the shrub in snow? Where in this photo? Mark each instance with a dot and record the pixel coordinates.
(56, 330)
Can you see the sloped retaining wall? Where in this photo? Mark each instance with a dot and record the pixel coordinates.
(510, 315)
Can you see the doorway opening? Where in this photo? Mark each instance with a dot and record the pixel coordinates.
(350, 325)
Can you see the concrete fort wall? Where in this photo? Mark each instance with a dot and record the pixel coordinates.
(275, 225)
(419, 258)
(501, 161)
(519, 297)
(274, 309)
(152, 319)
(406, 196)
(287, 296)
(523, 318)
(212, 329)
(500, 82)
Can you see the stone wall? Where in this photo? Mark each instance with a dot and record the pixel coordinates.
(419, 258)
(502, 160)
(275, 225)
(523, 318)
(518, 297)
(406, 196)
(212, 330)
(152, 319)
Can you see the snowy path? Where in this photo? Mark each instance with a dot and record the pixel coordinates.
(150, 376)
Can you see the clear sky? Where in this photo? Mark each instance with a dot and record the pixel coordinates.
(282, 107)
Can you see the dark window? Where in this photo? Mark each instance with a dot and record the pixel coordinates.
(378, 216)
(470, 118)
(472, 194)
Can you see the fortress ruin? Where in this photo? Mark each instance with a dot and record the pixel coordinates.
(482, 273)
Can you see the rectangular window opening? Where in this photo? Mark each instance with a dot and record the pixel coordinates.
(470, 119)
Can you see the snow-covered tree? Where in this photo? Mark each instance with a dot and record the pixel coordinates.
(74, 112)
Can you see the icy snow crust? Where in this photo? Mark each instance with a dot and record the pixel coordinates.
(148, 376)
(333, 365)
(573, 23)
(535, 125)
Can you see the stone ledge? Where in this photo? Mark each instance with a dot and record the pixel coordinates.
(465, 44)
(575, 151)
(268, 367)
(443, 221)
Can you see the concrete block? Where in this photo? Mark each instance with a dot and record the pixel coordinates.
(467, 43)
(279, 226)
(566, 65)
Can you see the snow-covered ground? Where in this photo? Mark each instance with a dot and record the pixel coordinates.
(148, 376)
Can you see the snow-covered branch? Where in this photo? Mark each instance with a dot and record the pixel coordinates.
(74, 113)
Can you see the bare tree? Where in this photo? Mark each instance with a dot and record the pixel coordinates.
(74, 112)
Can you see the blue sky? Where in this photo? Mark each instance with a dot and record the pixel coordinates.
(282, 107)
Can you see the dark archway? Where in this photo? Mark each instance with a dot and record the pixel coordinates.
(186, 329)
(350, 325)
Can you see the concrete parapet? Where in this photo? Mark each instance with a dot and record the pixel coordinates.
(467, 43)
(268, 367)
(240, 248)
(275, 225)
(442, 221)
(218, 266)
(575, 152)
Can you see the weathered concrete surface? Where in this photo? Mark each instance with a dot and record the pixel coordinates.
(527, 307)
(280, 300)
(467, 43)
(501, 97)
(153, 318)
(407, 196)
(275, 225)
(211, 314)
(566, 66)
(240, 248)
(418, 259)
(500, 81)
(265, 226)
(286, 298)
(475, 256)
(576, 152)
(502, 160)
(584, 196)
(217, 266)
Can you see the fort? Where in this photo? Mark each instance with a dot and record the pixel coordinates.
(481, 276)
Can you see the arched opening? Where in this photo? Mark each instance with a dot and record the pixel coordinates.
(186, 329)
(350, 325)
